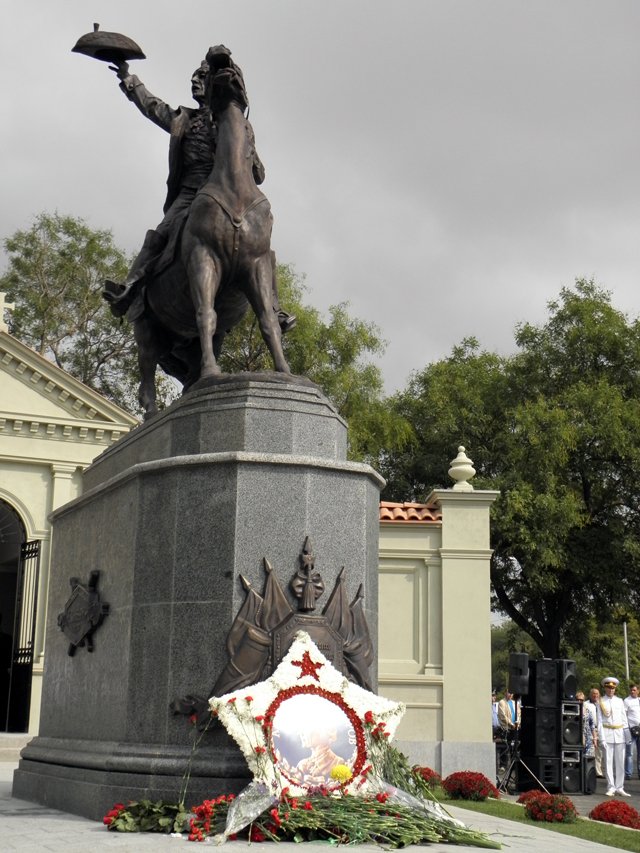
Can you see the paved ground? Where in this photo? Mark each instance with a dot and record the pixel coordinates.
(30, 828)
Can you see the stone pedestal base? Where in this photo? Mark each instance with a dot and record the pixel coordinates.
(89, 777)
(233, 472)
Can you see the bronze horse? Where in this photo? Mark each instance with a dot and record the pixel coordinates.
(223, 263)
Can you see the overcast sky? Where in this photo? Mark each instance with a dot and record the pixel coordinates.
(446, 166)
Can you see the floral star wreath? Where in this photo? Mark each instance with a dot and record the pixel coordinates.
(316, 744)
(307, 728)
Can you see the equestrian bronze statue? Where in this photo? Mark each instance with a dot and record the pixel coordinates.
(210, 258)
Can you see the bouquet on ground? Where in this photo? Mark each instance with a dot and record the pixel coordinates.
(323, 768)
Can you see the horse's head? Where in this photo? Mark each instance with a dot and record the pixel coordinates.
(225, 83)
(219, 57)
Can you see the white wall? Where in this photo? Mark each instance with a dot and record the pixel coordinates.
(434, 631)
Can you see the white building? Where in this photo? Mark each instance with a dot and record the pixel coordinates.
(434, 638)
(51, 428)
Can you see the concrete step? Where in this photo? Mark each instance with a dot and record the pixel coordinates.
(11, 745)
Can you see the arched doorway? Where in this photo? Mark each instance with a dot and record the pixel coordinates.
(19, 564)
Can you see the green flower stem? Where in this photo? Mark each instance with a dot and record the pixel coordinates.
(358, 820)
(184, 784)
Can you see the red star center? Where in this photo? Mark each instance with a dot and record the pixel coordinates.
(307, 666)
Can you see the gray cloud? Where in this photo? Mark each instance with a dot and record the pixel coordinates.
(445, 166)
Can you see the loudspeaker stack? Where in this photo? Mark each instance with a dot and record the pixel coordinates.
(551, 730)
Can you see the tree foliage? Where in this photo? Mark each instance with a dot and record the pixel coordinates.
(599, 651)
(556, 428)
(55, 274)
(507, 638)
(450, 402)
(333, 354)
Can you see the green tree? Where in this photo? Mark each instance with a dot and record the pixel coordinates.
(333, 354)
(598, 653)
(556, 428)
(55, 274)
(506, 639)
(450, 402)
(601, 651)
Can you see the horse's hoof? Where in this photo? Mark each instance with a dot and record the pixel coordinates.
(210, 372)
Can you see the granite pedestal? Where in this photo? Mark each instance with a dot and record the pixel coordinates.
(236, 470)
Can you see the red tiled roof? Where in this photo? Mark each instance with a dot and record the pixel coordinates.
(409, 512)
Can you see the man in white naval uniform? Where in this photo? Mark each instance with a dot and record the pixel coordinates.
(614, 734)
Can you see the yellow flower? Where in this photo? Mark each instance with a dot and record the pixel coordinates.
(341, 773)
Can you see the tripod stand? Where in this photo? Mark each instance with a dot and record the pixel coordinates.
(513, 762)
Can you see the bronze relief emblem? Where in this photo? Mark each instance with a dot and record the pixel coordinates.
(83, 613)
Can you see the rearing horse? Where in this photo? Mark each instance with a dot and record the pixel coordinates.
(225, 259)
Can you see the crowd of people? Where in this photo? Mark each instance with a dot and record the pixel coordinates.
(610, 731)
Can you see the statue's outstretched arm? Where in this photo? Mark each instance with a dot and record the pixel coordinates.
(149, 104)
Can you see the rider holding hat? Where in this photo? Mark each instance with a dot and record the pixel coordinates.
(192, 148)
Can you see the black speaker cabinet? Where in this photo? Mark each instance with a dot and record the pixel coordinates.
(571, 725)
(567, 679)
(588, 774)
(539, 732)
(535, 770)
(571, 771)
(543, 684)
(519, 673)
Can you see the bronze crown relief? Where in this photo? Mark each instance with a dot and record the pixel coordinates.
(266, 624)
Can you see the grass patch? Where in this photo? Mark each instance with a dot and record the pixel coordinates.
(590, 830)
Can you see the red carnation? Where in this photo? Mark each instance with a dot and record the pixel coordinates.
(256, 834)
(276, 817)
